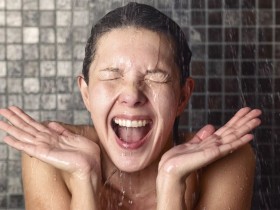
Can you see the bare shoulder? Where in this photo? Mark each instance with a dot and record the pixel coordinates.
(43, 185)
(229, 179)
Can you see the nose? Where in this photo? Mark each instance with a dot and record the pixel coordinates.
(132, 95)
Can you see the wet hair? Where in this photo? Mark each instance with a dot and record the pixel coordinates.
(147, 17)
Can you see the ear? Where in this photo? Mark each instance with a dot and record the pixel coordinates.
(84, 90)
(186, 92)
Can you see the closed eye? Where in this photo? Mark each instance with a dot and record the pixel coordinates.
(109, 74)
(158, 76)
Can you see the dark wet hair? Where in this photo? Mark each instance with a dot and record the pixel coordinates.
(141, 16)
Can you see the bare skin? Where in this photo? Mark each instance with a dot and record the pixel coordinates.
(58, 176)
(133, 79)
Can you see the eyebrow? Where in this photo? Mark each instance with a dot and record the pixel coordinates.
(110, 69)
(154, 71)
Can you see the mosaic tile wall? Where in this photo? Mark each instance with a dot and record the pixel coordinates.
(236, 62)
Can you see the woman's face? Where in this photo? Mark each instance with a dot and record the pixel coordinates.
(133, 95)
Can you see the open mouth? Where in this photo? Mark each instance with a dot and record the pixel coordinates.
(131, 133)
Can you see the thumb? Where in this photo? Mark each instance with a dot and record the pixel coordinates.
(203, 133)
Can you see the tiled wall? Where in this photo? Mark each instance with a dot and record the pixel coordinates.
(236, 62)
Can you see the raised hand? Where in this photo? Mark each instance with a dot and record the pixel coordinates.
(209, 145)
(52, 144)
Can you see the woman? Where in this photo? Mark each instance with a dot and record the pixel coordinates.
(135, 84)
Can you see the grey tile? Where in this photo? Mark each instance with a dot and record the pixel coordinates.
(30, 35)
(2, 52)
(47, 18)
(64, 4)
(3, 101)
(232, 18)
(33, 114)
(31, 51)
(46, 4)
(30, 4)
(13, 18)
(80, 34)
(79, 51)
(78, 103)
(32, 101)
(63, 35)
(48, 68)
(14, 68)
(65, 116)
(13, 5)
(47, 52)
(2, 35)
(3, 69)
(31, 85)
(3, 85)
(81, 18)
(14, 156)
(14, 85)
(64, 52)
(2, 18)
(81, 117)
(14, 52)
(48, 85)
(16, 201)
(64, 101)
(3, 154)
(48, 116)
(64, 68)
(2, 4)
(31, 68)
(47, 35)
(3, 185)
(63, 18)
(48, 101)
(31, 18)
(14, 35)
(64, 84)
(15, 100)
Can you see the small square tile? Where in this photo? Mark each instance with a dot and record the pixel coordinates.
(181, 4)
(30, 35)
(3, 164)
(65, 116)
(63, 4)
(231, 34)
(232, 4)
(31, 85)
(64, 68)
(14, 85)
(265, 51)
(30, 4)
(199, 52)
(31, 69)
(48, 85)
(3, 69)
(16, 201)
(265, 34)
(31, 18)
(277, 14)
(231, 18)
(214, 51)
(64, 101)
(31, 51)
(64, 52)
(248, 4)
(2, 4)
(214, 4)
(3, 103)
(14, 68)
(48, 68)
(3, 86)
(47, 35)
(265, 17)
(63, 18)
(14, 35)
(48, 115)
(34, 114)
(79, 52)
(81, 18)
(15, 100)
(48, 101)
(215, 18)
(81, 118)
(13, 18)
(248, 68)
(13, 5)
(47, 52)
(197, 34)
(64, 85)
(214, 34)
(63, 35)
(198, 18)
(32, 101)
(46, 4)
(249, 34)
(2, 35)
(80, 34)
(3, 185)
(248, 18)
(14, 52)
(47, 18)
(267, 4)
(2, 18)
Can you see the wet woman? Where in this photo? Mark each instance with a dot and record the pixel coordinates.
(135, 84)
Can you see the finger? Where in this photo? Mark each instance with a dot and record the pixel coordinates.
(19, 145)
(202, 134)
(59, 129)
(27, 119)
(16, 132)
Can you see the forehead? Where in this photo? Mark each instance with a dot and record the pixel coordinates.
(135, 44)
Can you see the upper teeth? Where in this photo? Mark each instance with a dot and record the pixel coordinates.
(131, 123)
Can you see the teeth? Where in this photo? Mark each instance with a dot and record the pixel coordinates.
(131, 123)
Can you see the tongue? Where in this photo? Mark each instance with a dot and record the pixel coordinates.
(132, 134)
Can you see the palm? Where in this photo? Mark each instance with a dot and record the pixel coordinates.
(53, 144)
(209, 145)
